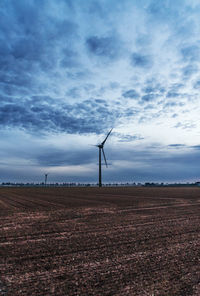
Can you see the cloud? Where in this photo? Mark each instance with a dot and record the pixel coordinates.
(103, 46)
(131, 93)
(60, 157)
(177, 145)
(74, 68)
(96, 8)
(175, 87)
(190, 53)
(42, 114)
(161, 12)
(149, 89)
(196, 147)
(189, 70)
(100, 101)
(141, 61)
(34, 42)
(172, 95)
(196, 85)
(174, 104)
(186, 125)
(168, 165)
(73, 92)
(70, 59)
(127, 138)
(148, 98)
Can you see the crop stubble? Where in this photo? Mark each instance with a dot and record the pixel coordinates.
(99, 241)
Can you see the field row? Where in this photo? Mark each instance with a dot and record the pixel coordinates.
(127, 242)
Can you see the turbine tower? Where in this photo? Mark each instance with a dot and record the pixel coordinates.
(100, 146)
(45, 179)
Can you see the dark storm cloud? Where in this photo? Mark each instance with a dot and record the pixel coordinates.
(131, 93)
(141, 61)
(103, 46)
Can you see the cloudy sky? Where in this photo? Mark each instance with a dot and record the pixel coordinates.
(70, 70)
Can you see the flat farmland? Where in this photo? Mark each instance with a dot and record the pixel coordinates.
(100, 241)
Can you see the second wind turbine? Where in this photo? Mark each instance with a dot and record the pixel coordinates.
(100, 146)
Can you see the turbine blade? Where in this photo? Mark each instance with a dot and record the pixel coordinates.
(104, 157)
(106, 137)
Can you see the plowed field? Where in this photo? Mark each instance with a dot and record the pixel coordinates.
(100, 241)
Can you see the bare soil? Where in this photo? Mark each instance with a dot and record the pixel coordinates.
(100, 241)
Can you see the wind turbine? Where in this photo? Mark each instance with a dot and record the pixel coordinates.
(100, 146)
(45, 179)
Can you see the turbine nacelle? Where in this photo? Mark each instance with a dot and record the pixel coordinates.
(102, 144)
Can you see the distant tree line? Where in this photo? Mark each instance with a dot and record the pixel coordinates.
(115, 184)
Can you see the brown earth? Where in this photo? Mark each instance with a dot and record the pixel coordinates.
(100, 241)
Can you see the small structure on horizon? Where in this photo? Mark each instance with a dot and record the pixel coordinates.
(45, 179)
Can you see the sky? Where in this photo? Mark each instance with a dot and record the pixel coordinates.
(70, 70)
